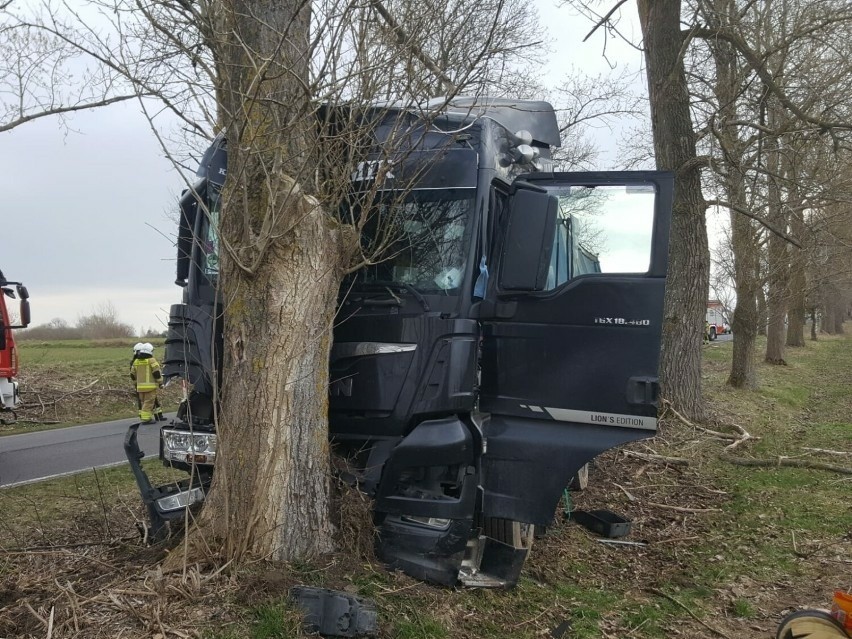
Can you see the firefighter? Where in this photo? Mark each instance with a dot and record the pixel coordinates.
(145, 371)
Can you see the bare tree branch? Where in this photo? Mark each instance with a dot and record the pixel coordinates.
(770, 227)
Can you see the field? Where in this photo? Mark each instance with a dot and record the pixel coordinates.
(723, 549)
(68, 382)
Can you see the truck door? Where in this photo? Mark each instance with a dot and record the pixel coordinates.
(571, 327)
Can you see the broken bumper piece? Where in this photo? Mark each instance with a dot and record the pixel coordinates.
(335, 614)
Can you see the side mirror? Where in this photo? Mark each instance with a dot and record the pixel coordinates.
(23, 293)
(188, 212)
(528, 242)
(25, 310)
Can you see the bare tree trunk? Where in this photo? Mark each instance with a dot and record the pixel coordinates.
(777, 257)
(797, 311)
(745, 320)
(744, 246)
(839, 317)
(813, 324)
(271, 487)
(281, 267)
(830, 310)
(761, 310)
(689, 255)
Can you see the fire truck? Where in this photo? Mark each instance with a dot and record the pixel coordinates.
(509, 336)
(9, 398)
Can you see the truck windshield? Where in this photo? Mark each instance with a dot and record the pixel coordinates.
(210, 238)
(422, 240)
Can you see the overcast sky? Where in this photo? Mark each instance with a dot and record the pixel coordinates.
(88, 216)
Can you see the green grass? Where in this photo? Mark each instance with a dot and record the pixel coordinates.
(742, 608)
(276, 621)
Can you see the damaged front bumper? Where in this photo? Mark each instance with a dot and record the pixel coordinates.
(170, 503)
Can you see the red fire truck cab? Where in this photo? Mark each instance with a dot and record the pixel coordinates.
(8, 354)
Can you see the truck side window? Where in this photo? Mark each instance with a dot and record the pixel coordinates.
(559, 270)
(210, 241)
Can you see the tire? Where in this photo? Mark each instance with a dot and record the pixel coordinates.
(581, 480)
(813, 624)
(712, 333)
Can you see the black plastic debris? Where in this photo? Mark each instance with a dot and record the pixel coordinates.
(603, 522)
(334, 613)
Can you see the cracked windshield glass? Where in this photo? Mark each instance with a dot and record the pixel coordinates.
(421, 241)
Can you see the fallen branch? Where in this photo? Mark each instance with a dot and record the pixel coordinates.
(684, 509)
(716, 433)
(744, 437)
(630, 496)
(660, 593)
(788, 462)
(826, 451)
(658, 459)
(668, 406)
(620, 542)
(736, 440)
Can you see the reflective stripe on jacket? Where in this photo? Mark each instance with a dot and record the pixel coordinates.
(147, 374)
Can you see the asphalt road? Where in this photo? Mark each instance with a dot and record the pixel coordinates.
(32, 457)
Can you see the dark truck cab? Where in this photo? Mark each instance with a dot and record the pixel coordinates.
(511, 335)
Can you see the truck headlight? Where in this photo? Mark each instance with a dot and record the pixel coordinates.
(181, 499)
(189, 447)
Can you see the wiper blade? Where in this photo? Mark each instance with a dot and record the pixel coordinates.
(399, 286)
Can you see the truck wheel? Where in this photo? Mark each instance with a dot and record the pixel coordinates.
(712, 334)
(580, 481)
(512, 533)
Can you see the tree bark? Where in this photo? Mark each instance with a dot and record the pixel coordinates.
(689, 255)
(776, 300)
(797, 311)
(281, 268)
(744, 245)
(761, 307)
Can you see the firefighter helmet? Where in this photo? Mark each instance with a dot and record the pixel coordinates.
(137, 347)
(147, 348)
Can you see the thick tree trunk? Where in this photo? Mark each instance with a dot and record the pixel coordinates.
(271, 485)
(827, 324)
(776, 300)
(281, 268)
(796, 310)
(744, 245)
(744, 324)
(813, 324)
(761, 309)
(839, 317)
(689, 255)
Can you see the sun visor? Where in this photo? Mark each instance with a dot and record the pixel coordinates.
(434, 169)
(515, 115)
